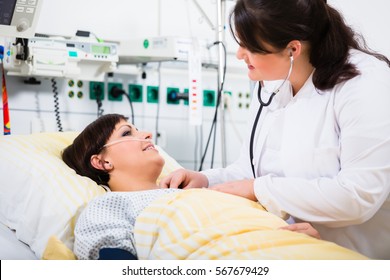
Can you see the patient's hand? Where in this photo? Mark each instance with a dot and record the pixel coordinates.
(306, 228)
(183, 179)
(243, 188)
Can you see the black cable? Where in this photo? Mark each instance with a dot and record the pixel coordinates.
(56, 104)
(208, 142)
(214, 122)
(99, 94)
(100, 110)
(215, 136)
(116, 92)
(131, 107)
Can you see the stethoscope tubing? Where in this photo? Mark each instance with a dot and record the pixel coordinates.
(262, 105)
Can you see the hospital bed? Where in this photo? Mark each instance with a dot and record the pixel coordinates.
(11, 248)
(41, 198)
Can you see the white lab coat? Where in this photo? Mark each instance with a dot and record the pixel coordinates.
(324, 157)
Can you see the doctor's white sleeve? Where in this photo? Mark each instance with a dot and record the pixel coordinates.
(239, 170)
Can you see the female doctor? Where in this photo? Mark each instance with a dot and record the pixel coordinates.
(318, 145)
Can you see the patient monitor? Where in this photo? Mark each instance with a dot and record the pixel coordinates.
(18, 18)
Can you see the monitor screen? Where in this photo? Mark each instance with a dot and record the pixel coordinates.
(7, 8)
(18, 18)
(96, 49)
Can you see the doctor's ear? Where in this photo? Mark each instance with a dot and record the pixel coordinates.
(294, 48)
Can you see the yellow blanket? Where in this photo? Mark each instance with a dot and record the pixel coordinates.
(205, 224)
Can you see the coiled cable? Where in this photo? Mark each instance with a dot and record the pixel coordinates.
(56, 104)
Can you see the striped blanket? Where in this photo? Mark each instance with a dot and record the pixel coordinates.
(205, 224)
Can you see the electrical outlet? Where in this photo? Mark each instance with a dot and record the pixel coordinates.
(109, 88)
(244, 100)
(186, 101)
(209, 98)
(227, 99)
(171, 95)
(152, 94)
(96, 89)
(136, 93)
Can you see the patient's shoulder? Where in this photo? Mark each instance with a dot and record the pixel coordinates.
(134, 201)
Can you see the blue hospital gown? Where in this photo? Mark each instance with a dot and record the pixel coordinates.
(108, 221)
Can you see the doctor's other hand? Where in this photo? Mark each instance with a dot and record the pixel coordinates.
(243, 188)
(183, 179)
(305, 228)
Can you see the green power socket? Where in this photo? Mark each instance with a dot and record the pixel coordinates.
(96, 89)
(136, 93)
(186, 101)
(110, 86)
(172, 90)
(209, 98)
(152, 94)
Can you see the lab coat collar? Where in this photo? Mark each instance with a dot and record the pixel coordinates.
(282, 98)
(285, 94)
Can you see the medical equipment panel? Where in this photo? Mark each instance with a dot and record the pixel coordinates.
(18, 18)
(60, 57)
(163, 48)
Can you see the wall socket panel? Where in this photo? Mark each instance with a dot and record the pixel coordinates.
(152, 93)
(136, 93)
(209, 98)
(96, 89)
(170, 91)
(109, 88)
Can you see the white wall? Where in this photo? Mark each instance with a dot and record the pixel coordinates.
(31, 106)
(370, 18)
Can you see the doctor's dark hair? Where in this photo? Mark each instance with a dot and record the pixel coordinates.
(88, 143)
(278, 22)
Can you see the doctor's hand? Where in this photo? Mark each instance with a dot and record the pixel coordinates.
(243, 188)
(184, 179)
(305, 228)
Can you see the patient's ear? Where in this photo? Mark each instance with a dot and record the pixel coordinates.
(100, 163)
(97, 162)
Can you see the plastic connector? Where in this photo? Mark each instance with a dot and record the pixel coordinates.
(116, 92)
(81, 33)
(173, 97)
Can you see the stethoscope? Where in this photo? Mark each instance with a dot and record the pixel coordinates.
(262, 105)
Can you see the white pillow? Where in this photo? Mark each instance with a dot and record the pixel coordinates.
(40, 196)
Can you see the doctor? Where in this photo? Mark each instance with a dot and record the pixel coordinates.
(318, 142)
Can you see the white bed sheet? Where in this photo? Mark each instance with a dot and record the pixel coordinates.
(11, 248)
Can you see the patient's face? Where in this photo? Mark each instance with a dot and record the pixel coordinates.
(132, 153)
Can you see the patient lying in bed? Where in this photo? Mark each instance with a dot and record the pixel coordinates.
(192, 224)
(155, 223)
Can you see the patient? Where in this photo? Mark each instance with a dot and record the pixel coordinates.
(115, 154)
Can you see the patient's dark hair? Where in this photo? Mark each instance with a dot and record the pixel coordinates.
(90, 142)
